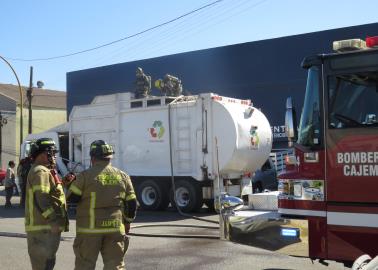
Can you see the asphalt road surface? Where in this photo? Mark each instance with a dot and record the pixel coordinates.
(154, 252)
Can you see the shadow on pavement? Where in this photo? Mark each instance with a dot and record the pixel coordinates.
(170, 214)
(15, 211)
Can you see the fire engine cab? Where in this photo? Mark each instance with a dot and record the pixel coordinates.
(328, 196)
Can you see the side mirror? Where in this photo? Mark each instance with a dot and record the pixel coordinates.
(290, 120)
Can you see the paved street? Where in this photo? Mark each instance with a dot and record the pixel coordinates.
(153, 252)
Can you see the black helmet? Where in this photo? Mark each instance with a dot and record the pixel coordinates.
(100, 149)
(42, 145)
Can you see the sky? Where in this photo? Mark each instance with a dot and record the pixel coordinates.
(38, 29)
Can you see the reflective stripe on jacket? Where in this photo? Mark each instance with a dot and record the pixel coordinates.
(103, 190)
(45, 202)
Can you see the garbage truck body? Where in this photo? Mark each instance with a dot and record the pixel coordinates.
(206, 142)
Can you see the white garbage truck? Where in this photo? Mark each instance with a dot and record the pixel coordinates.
(201, 144)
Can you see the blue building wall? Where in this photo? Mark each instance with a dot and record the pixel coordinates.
(266, 71)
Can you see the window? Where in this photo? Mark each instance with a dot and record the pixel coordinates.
(136, 104)
(353, 100)
(153, 102)
(309, 126)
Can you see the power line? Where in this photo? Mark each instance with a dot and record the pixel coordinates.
(210, 21)
(118, 40)
(170, 34)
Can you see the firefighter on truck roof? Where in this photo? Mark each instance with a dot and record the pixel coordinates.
(143, 84)
(169, 86)
(45, 211)
(106, 207)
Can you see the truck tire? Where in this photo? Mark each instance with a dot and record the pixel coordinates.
(152, 195)
(189, 196)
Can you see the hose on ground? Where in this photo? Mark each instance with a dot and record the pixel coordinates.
(175, 235)
(68, 238)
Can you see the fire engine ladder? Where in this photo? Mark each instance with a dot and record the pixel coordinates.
(183, 151)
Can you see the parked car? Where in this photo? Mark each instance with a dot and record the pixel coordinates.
(265, 178)
(3, 173)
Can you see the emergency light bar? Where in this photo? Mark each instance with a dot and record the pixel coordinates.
(355, 44)
(349, 45)
(372, 42)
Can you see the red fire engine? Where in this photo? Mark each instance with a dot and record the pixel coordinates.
(334, 180)
(328, 196)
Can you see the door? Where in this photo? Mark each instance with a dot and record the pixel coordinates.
(352, 159)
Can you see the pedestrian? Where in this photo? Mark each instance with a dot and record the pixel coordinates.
(9, 184)
(45, 208)
(106, 205)
(22, 173)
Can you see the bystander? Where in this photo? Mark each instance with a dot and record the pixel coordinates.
(9, 184)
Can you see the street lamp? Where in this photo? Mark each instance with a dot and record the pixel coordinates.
(21, 99)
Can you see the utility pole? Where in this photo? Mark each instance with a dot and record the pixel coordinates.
(29, 96)
(3, 121)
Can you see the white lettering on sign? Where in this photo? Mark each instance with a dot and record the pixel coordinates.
(359, 163)
(278, 131)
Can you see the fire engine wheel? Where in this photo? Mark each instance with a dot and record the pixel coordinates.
(188, 196)
(152, 196)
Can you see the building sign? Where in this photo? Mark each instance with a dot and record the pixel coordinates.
(278, 132)
(358, 163)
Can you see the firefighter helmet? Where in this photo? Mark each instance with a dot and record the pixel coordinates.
(100, 149)
(43, 145)
(139, 71)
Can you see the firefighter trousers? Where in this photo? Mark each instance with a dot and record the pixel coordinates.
(113, 247)
(42, 248)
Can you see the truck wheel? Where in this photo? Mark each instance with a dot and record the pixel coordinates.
(152, 196)
(188, 195)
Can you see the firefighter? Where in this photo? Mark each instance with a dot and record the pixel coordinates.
(22, 173)
(45, 208)
(143, 84)
(106, 205)
(169, 86)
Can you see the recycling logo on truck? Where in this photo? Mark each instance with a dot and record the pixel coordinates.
(255, 140)
(157, 130)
